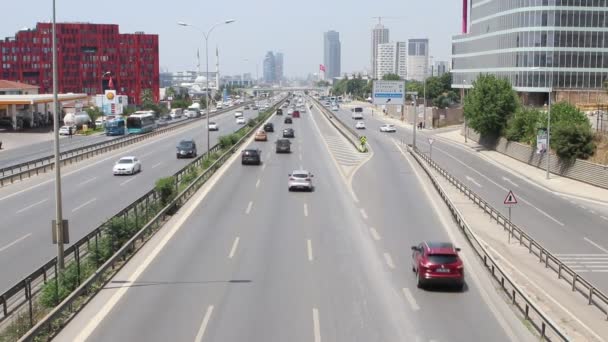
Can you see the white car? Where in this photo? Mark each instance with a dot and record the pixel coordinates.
(240, 120)
(65, 130)
(127, 166)
(213, 126)
(334, 108)
(238, 114)
(388, 128)
(213, 110)
(360, 125)
(300, 180)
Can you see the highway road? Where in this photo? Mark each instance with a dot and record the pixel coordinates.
(254, 262)
(571, 228)
(91, 195)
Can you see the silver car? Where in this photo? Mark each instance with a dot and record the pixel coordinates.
(300, 180)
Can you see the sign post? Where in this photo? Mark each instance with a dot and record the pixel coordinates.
(510, 201)
(431, 140)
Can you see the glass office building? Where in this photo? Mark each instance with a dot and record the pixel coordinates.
(538, 45)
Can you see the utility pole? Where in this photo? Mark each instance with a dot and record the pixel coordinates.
(58, 205)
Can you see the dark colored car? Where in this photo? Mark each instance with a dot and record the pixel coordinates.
(279, 111)
(186, 148)
(437, 263)
(295, 114)
(254, 107)
(288, 133)
(283, 146)
(246, 107)
(269, 127)
(288, 120)
(251, 156)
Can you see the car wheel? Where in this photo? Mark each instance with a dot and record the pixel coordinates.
(419, 282)
(289, 189)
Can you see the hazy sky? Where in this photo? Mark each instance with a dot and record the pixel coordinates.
(292, 27)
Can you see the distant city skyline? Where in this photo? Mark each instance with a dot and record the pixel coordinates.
(259, 27)
(332, 54)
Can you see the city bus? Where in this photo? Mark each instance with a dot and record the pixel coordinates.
(115, 126)
(141, 122)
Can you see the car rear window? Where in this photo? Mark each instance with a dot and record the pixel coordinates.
(250, 153)
(358, 110)
(300, 175)
(442, 258)
(125, 161)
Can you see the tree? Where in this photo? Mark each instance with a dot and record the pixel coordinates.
(170, 92)
(391, 77)
(94, 113)
(572, 141)
(322, 83)
(524, 125)
(490, 104)
(146, 97)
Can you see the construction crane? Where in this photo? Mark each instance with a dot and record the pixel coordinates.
(383, 17)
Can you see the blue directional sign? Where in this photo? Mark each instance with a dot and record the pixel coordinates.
(389, 92)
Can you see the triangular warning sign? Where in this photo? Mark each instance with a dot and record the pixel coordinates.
(510, 199)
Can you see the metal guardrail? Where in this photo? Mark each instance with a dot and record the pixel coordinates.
(18, 172)
(577, 283)
(547, 329)
(24, 292)
(349, 133)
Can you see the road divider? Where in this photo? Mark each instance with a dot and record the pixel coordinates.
(359, 142)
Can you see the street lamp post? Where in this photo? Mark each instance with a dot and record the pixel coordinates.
(206, 37)
(466, 132)
(58, 204)
(550, 92)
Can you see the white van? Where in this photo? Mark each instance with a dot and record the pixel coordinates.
(176, 113)
(357, 113)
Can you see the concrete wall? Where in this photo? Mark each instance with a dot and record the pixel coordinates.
(581, 170)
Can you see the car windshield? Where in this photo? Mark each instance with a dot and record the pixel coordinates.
(186, 144)
(442, 258)
(125, 161)
(250, 152)
(211, 123)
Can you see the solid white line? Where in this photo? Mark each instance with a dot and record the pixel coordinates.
(84, 204)
(31, 206)
(257, 184)
(234, 246)
(87, 181)
(15, 242)
(201, 330)
(248, 210)
(548, 216)
(410, 299)
(596, 245)
(315, 325)
(127, 181)
(363, 213)
(309, 248)
(374, 233)
(157, 165)
(389, 260)
(305, 209)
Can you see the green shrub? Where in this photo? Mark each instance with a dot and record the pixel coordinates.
(190, 176)
(523, 126)
(68, 282)
(572, 141)
(251, 122)
(226, 141)
(166, 188)
(234, 138)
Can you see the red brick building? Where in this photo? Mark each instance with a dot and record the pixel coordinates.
(85, 52)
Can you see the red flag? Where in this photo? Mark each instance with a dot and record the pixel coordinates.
(322, 67)
(111, 84)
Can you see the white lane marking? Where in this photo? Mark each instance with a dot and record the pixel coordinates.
(146, 154)
(300, 156)
(15, 242)
(472, 180)
(309, 248)
(248, 210)
(257, 184)
(604, 218)
(363, 213)
(201, 331)
(127, 181)
(510, 181)
(157, 165)
(315, 325)
(389, 260)
(374, 233)
(305, 209)
(235, 244)
(84, 204)
(410, 299)
(591, 211)
(31, 206)
(87, 181)
(498, 185)
(596, 245)
(263, 166)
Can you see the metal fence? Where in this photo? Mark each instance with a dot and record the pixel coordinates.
(547, 329)
(18, 172)
(24, 292)
(349, 133)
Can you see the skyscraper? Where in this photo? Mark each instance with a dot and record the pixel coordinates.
(278, 67)
(269, 67)
(392, 59)
(417, 59)
(332, 54)
(379, 36)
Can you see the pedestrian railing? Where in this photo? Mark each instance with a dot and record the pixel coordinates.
(18, 172)
(19, 301)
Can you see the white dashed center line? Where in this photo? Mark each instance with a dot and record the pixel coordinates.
(201, 330)
(31, 206)
(363, 213)
(84, 204)
(309, 248)
(374, 233)
(235, 244)
(248, 210)
(389, 260)
(315, 325)
(305, 209)
(410, 299)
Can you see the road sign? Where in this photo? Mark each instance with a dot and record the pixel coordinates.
(510, 199)
(389, 92)
(431, 140)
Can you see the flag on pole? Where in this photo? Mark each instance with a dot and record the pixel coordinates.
(322, 67)
(111, 83)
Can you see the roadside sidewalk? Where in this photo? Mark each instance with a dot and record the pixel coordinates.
(557, 184)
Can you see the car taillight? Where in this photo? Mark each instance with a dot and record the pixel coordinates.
(292, 179)
(308, 179)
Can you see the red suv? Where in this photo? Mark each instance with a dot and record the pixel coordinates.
(295, 114)
(437, 262)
